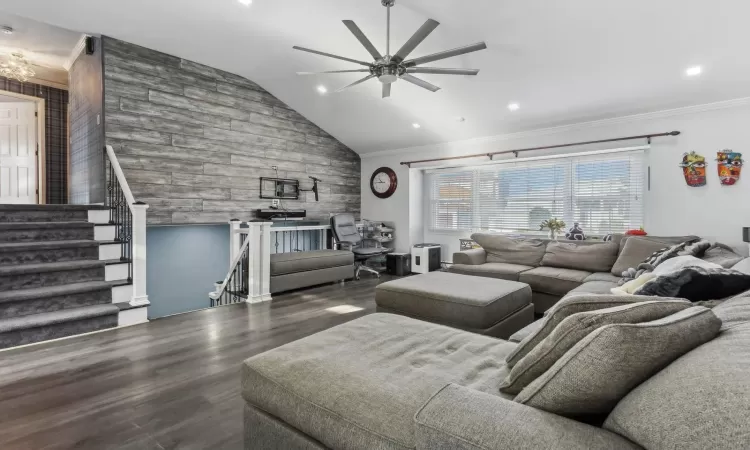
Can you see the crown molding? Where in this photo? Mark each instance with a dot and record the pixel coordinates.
(734, 103)
(75, 53)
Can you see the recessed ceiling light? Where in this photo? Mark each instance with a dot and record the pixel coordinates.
(514, 107)
(694, 71)
(246, 2)
(6, 29)
(416, 125)
(322, 89)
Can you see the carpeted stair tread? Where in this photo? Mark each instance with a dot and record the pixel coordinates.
(126, 306)
(53, 291)
(111, 262)
(57, 317)
(50, 267)
(43, 225)
(45, 245)
(11, 207)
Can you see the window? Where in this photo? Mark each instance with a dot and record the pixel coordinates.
(452, 205)
(604, 193)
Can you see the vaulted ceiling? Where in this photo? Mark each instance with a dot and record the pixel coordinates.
(563, 62)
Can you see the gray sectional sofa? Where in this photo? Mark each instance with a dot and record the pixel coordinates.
(392, 382)
(555, 269)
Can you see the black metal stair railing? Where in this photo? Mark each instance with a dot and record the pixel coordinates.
(235, 287)
(120, 215)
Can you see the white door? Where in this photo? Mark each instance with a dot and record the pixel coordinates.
(18, 136)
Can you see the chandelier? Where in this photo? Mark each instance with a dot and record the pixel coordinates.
(17, 68)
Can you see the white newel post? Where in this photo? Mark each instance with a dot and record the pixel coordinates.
(234, 239)
(259, 267)
(140, 296)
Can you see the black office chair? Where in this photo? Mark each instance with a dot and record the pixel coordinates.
(347, 237)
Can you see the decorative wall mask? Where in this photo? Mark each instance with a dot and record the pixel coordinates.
(694, 167)
(730, 166)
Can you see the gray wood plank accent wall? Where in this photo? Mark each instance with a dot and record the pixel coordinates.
(86, 129)
(194, 141)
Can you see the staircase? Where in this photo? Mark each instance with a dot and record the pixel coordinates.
(62, 273)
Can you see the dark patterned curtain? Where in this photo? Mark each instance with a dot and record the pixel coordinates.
(56, 134)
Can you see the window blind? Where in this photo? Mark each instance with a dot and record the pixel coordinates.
(604, 193)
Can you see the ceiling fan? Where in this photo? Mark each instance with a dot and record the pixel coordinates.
(390, 68)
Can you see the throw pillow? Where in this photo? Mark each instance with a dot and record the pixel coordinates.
(655, 260)
(503, 249)
(567, 307)
(608, 363)
(697, 249)
(635, 251)
(722, 255)
(697, 283)
(589, 257)
(576, 327)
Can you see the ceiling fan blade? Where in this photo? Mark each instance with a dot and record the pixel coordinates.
(415, 40)
(333, 71)
(419, 82)
(387, 90)
(357, 82)
(363, 39)
(362, 63)
(447, 54)
(441, 71)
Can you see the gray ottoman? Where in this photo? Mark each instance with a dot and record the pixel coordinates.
(488, 306)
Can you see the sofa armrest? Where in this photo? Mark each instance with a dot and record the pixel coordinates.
(473, 257)
(465, 419)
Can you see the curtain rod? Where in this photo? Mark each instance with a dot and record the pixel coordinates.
(491, 155)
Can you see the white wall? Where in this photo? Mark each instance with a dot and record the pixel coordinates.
(715, 212)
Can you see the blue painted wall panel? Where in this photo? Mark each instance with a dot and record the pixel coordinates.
(183, 264)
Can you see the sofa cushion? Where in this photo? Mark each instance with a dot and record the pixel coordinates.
(608, 363)
(668, 241)
(743, 266)
(576, 327)
(460, 300)
(593, 287)
(634, 251)
(286, 263)
(360, 384)
(503, 249)
(722, 255)
(523, 333)
(567, 307)
(603, 276)
(592, 258)
(700, 401)
(553, 280)
(500, 271)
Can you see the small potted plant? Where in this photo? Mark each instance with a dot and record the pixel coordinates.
(555, 226)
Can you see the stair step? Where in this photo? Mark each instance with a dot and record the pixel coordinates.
(29, 276)
(46, 231)
(24, 302)
(16, 253)
(48, 213)
(53, 325)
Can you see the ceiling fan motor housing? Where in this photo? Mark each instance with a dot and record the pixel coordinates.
(388, 74)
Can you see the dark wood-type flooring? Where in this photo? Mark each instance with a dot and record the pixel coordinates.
(173, 383)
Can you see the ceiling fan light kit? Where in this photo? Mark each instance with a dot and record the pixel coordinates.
(390, 68)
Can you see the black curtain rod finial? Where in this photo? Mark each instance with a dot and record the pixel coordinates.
(675, 133)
